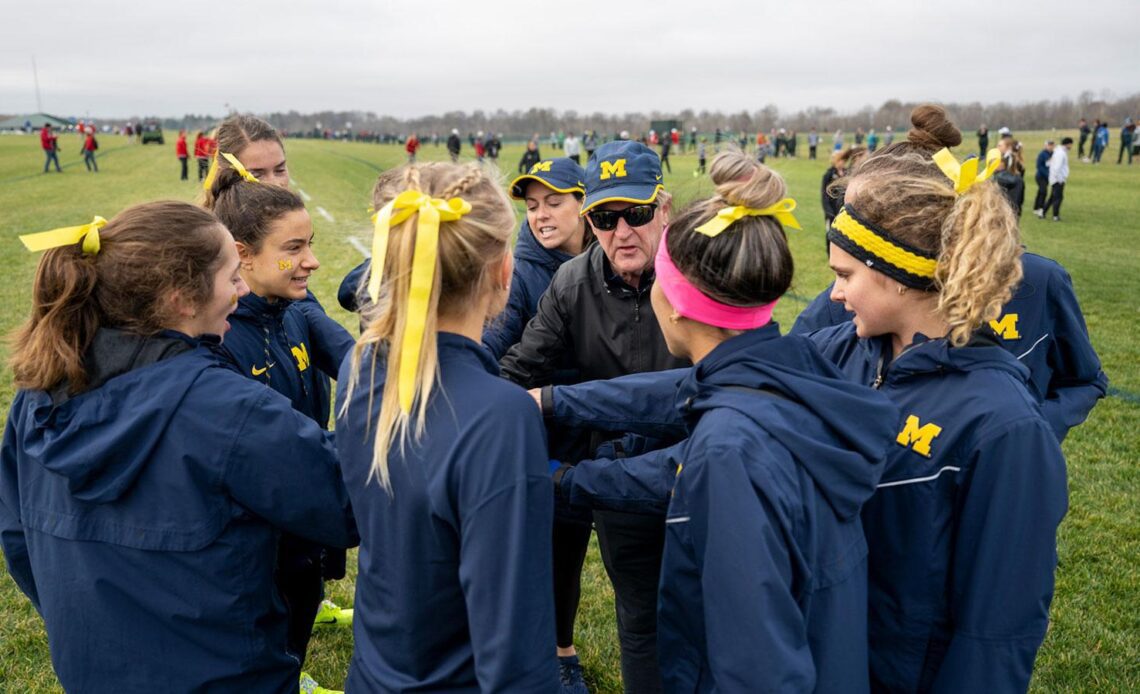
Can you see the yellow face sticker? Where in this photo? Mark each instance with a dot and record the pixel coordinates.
(284, 264)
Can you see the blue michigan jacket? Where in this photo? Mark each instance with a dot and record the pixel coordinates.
(764, 576)
(1042, 325)
(141, 517)
(288, 346)
(453, 590)
(534, 267)
(963, 528)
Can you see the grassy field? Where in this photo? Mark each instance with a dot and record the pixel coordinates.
(1094, 640)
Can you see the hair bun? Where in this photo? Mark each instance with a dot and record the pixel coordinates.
(741, 180)
(932, 128)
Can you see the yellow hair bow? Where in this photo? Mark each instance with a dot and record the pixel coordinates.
(782, 211)
(964, 177)
(431, 211)
(212, 173)
(67, 236)
(240, 168)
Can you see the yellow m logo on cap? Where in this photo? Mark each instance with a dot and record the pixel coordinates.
(918, 437)
(301, 354)
(615, 168)
(1006, 327)
(541, 166)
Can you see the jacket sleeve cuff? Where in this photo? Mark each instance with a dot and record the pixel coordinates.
(547, 397)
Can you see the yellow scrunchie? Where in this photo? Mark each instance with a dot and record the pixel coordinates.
(431, 212)
(782, 211)
(66, 236)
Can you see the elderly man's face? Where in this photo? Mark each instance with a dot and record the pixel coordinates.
(631, 249)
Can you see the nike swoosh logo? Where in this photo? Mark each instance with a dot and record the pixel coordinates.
(257, 372)
(658, 178)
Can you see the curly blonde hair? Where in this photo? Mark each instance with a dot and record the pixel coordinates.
(975, 235)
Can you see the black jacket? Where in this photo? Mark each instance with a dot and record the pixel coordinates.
(453, 143)
(607, 327)
(529, 159)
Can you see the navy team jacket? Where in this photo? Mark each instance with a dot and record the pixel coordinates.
(962, 531)
(453, 592)
(1042, 325)
(534, 267)
(287, 345)
(141, 517)
(764, 576)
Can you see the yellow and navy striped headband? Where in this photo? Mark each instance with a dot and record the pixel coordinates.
(909, 266)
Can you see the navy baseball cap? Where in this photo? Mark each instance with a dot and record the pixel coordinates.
(623, 171)
(561, 175)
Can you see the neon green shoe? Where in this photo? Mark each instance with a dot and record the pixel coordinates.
(330, 616)
(308, 685)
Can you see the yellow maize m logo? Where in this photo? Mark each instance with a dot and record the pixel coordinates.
(1006, 327)
(541, 166)
(301, 354)
(616, 169)
(918, 437)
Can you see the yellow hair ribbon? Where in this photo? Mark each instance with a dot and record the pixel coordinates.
(431, 211)
(782, 211)
(240, 168)
(964, 177)
(67, 236)
(212, 174)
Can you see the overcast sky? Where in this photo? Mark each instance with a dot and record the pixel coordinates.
(414, 58)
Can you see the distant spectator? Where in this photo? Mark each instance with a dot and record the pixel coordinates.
(453, 144)
(411, 146)
(202, 154)
(181, 151)
(590, 142)
(1058, 174)
(1085, 132)
(90, 144)
(701, 154)
(572, 147)
(1127, 135)
(858, 137)
(792, 137)
(1041, 175)
(888, 136)
(693, 138)
(837, 141)
(813, 143)
(480, 147)
(50, 144)
(983, 140)
(494, 144)
(1010, 175)
(529, 158)
(872, 141)
(1100, 142)
(666, 145)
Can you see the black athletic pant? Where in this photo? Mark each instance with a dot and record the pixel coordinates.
(1124, 147)
(299, 582)
(665, 161)
(1081, 146)
(811, 152)
(570, 541)
(575, 158)
(1042, 193)
(1055, 198)
(631, 547)
(185, 169)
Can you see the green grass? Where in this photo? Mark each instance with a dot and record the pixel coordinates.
(1094, 640)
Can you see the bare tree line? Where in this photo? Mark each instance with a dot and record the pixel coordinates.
(1035, 115)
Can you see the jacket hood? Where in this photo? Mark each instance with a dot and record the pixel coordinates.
(843, 446)
(926, 356)
(101, 439)
(529, 250)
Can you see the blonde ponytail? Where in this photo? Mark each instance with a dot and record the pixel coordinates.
(467, 248)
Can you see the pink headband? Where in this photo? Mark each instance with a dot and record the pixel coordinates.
(691, 303)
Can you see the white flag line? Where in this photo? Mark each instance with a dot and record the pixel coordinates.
(305, 196)
(359, 245)
(325, 213)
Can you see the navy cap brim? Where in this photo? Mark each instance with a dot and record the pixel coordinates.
(634, 193)
(518, 186)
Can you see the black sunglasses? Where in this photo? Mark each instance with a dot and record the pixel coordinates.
(636, 216)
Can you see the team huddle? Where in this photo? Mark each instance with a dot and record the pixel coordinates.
(869, 502)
